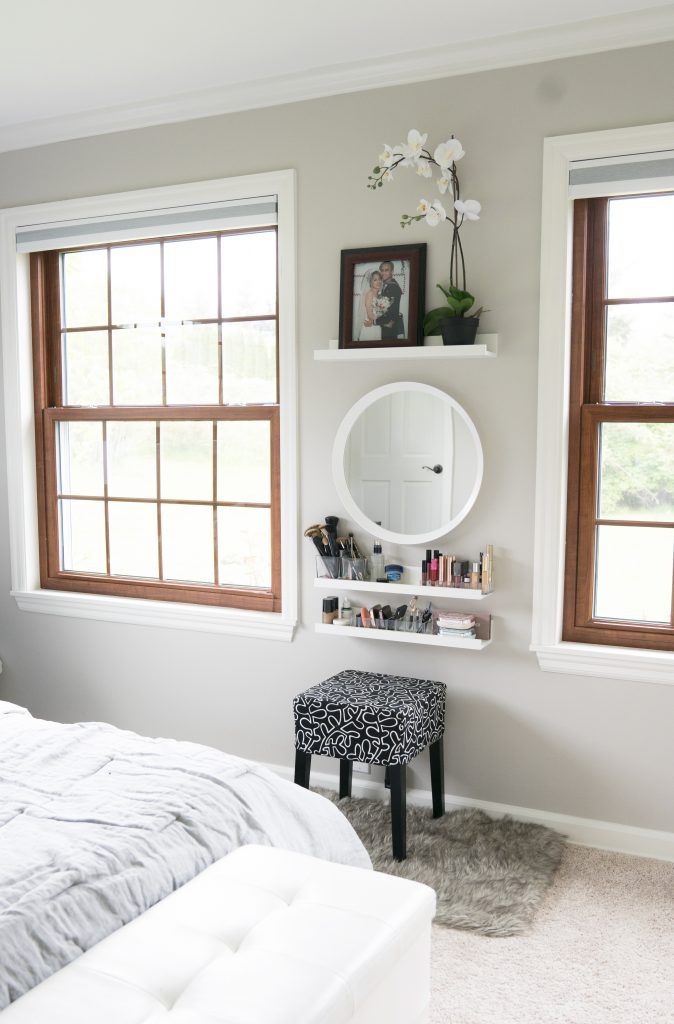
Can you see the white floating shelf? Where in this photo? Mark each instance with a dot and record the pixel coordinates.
(394, 637)
(460, 593)
(485, 347)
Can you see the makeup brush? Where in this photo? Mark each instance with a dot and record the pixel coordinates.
(331, 530)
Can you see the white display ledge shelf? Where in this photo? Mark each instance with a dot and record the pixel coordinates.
(460, 593)
(485, 347)
(390, 635)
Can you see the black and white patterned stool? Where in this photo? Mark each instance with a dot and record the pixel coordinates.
(376, 719)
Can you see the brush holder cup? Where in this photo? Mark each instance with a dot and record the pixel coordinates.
(353, 568)
(327, 567)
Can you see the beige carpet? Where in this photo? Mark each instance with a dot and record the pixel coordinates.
(601, 951)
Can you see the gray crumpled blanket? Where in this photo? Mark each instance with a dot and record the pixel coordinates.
(97, 824)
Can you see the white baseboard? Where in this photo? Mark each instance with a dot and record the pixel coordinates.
(602, 835)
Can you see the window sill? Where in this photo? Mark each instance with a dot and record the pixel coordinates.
(170, 615)
(639, 666)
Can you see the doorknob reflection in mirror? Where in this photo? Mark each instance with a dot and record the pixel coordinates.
(437, 468)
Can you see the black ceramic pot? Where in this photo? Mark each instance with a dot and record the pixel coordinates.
(459, 330)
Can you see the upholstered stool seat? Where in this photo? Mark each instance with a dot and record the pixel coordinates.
(377, 719)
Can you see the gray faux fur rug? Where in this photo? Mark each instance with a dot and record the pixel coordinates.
(490, 874)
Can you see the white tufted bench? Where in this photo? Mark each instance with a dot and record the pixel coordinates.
(263, 936)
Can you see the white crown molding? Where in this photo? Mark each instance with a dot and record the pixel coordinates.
(600, 835)
(636, 28)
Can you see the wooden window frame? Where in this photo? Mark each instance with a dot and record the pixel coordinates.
(49, 410)
(587, 411)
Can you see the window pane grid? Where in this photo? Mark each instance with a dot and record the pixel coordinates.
(267, 385)
(67, 501)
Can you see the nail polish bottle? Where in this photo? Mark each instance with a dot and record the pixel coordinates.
(457, 577)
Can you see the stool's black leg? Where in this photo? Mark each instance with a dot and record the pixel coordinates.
(437, 777)
(387, 777)
(345, 777)
(397, 773)
(302, 768)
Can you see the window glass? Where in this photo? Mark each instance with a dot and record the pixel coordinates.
(135, 284)
(86, 379)
(634, 573)
(248, 274)
(640, 352)
(80, 458)
(636, 471)
(134, 550)
(187, 543)
(85, 291)
(640, 250)
(191, 279)
(82, 535)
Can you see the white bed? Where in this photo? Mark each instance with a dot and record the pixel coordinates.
(97, 825)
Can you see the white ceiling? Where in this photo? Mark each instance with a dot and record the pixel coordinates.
(161, 60)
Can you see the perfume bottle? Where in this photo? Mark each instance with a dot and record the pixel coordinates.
(377, 563)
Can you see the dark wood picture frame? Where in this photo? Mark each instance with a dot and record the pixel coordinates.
(415, 255)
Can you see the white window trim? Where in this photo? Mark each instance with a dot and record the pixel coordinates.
(554, 654)
(19, 412)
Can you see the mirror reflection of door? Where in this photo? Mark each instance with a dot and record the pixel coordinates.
(389, 447)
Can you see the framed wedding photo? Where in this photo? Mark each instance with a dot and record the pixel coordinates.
(381, 296)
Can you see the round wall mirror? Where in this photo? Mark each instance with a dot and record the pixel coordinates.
(409, 457)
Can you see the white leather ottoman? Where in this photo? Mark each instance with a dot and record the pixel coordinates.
(263, 936)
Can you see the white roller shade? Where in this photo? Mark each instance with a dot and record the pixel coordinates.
(260, 211)
(622, 175)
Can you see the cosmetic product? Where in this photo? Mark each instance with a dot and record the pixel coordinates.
(359, 620)
(475, 576)
(460, 570)
(330, 609)
(442, 568)
(347, 613)
(377, 562)
(365, 618)
(374, 615)
(341, 621)
(433, 577)
(331, 531)
(394, 572)
(424, 573)
(429, 557)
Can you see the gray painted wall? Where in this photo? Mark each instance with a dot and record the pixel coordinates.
(589, 747)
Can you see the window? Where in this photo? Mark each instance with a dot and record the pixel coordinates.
(619, 573)
(158, 418)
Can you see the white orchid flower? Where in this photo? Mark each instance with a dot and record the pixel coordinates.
(423, 207)
(411, 150)
(424, 169)
(448, 153)
(468, 208)
(435, 213)
(443, 184)
(387, 156)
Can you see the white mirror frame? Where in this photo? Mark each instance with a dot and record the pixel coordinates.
(339, 476)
